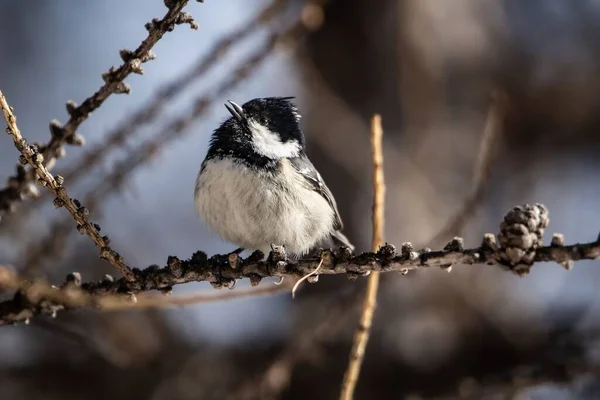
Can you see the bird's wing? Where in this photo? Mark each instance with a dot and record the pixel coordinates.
(316, 183)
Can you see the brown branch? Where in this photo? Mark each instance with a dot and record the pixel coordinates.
(23, 183)
(70, 295)
(518, 248)
(361, 336)
(120, 303)
(31, 155)
(378, 182)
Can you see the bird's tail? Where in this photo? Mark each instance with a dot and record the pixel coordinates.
(339, 239)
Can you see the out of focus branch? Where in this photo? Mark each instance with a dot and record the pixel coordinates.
(361, 336)
(518, 247)
(488, 147)
(150, 111)
(70, 295)
(23, 183)
(177, 127)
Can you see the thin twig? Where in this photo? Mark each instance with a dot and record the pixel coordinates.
(200, 105)
(485, 157)
(490, 143)
(22, 184)
(378, 182)
(117, 303)
(30, 155)
(361, 336)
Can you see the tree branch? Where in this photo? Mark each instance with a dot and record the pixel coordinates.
(517, 249)
(361, 336)
(70, 295)
(32, 156)
(22, 184)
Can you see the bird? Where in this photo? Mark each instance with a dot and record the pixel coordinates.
(257, 188)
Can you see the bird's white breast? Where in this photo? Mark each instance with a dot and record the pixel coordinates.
(256, 209)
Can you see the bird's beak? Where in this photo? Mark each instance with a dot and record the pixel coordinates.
(235, 110)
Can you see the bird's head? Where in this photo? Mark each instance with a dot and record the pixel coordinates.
(268, 126)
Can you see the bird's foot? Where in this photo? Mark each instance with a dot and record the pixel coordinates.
(238, 251)
(234, 257)
(277, 253)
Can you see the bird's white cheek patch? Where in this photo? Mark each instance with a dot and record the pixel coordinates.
(268, 144)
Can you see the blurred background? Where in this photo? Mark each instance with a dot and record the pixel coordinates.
(429, 68)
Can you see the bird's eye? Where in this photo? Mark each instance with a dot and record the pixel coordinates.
(262, 120)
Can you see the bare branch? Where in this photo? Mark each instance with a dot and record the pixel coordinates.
(70, 295)
(22, 184)
(518, 248)
(120, 303)
(361, 336)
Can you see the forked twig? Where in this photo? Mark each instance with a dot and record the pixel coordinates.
(361, 336)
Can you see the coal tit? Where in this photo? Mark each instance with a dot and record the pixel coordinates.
(257, 188)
